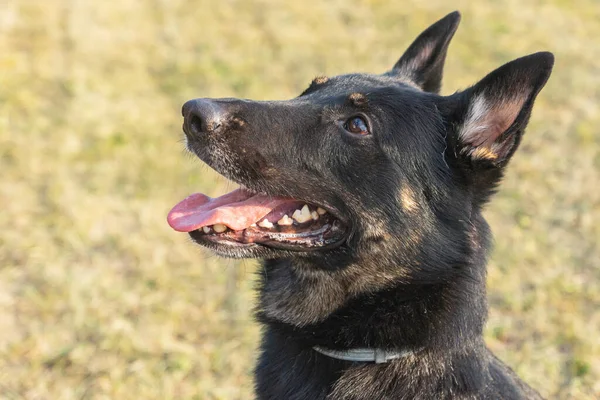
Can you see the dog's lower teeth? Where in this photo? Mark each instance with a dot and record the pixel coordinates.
(285, 221)
(219, 228)
(206, 229)
(265, 224)
(321, 211)
(314, 215)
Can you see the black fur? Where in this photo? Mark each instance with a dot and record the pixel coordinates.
(411, 273)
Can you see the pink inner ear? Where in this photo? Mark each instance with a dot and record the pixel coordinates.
(487, 120)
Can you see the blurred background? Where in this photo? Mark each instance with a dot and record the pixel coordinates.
(100, 299)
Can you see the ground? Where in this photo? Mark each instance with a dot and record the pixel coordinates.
(100, 299)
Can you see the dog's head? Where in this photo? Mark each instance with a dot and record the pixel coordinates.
(359, 163)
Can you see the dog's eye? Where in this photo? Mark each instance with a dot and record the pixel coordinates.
(357, 126)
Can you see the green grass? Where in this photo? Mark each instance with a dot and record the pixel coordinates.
(99, 298)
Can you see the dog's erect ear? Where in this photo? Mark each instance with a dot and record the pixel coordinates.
(423, 61)
(490, 117)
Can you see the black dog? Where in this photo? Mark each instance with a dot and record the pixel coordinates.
(364, 197)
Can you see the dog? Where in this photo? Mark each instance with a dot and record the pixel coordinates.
(364, 196)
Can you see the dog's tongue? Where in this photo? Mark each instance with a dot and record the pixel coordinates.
(238, 210)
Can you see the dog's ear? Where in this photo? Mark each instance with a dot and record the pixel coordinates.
(423, 62)
(489, 118)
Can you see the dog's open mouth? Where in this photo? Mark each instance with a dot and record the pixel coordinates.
(244, 218)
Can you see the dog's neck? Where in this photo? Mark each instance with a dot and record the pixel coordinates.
(324, 312)
(304, 308)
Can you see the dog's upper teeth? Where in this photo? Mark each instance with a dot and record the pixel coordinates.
(265, 224)
(314, 215)
(219, 228)
(302, 215)
(285, 220)
(321, 211)
(206, 229)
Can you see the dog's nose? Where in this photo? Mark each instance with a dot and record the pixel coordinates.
(201, 116)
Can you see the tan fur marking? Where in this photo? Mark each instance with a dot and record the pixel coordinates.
(408, 199)
(308, 299)
(375, 281)
(303, 296)
(358, 99)
(240, 122)
(484, 153)
(319, 80)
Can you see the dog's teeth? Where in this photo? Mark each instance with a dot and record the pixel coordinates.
(206, 229)
(253, 225)
(321, 211)
(265, 224)
(306, 210)
(314, 215)
(296, 214)
(219, 228)
(302, 215)
(285, 221)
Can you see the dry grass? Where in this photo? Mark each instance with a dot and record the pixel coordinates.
(100, 299)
